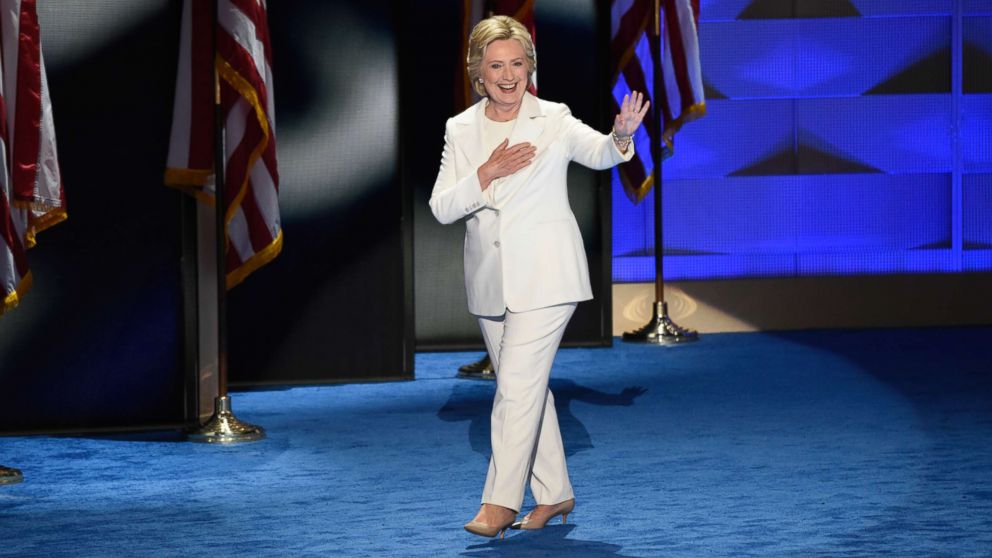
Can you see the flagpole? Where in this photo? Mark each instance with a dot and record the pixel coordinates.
(223, 427)
(9, 475)
(661, 329)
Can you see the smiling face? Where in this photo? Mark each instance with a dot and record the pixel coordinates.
(504, 73)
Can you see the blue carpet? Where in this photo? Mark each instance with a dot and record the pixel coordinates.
(857, 443)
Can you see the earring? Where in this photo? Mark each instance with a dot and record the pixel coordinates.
(480, 80)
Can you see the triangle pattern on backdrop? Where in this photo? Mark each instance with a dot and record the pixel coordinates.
(926, 75)
(782, 161)
(788, 9)
(711, 93)
(805, 158)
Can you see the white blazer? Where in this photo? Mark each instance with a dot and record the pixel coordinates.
(523, 250)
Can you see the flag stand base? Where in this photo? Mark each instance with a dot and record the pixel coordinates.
(661, 330)
(9, 475)
(224, 428)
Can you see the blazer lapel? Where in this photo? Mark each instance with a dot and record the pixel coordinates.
(468, 134)
(530, 121)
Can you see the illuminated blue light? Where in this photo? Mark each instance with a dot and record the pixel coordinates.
(800, 172)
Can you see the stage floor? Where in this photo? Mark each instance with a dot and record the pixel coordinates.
(822, 443)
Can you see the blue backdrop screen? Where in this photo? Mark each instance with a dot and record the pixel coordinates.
(846, 137)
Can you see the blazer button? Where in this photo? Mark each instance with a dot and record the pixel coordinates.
(497, 213)
(496, 244)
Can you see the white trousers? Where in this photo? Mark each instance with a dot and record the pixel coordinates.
(526, 442)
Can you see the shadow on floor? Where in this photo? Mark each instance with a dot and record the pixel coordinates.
(550, 541)
(472, 401)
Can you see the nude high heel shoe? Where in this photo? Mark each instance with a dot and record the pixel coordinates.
(487, 530)
(538, 521)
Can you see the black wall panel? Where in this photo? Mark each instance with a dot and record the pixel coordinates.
(331, 307)
(96, 343)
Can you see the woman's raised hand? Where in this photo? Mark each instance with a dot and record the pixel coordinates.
(632, 111)
(505, 160)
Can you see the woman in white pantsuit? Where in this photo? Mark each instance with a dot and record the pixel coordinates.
(503, 171)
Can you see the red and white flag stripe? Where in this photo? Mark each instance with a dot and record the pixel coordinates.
(31, 194)
(251, 181)
(682, 95)
(634, 32)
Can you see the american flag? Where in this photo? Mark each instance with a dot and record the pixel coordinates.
(474, 11)
(636, 26)
(251, 180)
(31, 194)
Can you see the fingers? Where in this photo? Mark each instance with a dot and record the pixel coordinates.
(631, 108)
(518, 164)
(637, 99)
(503, 147)
(501, 151)
(632, 111)
(508, 160)
(519, 150)
(520, 158)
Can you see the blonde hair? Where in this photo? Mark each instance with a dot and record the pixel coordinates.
(491, 29)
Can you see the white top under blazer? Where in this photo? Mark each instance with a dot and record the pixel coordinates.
(523, 249)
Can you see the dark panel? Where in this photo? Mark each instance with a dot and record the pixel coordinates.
(815, 160)
(784, 9)
(931, 74)
(96, 343)
(571, 69)
(977, 69)
(441, 308)
(331, 307)
(781, 161)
